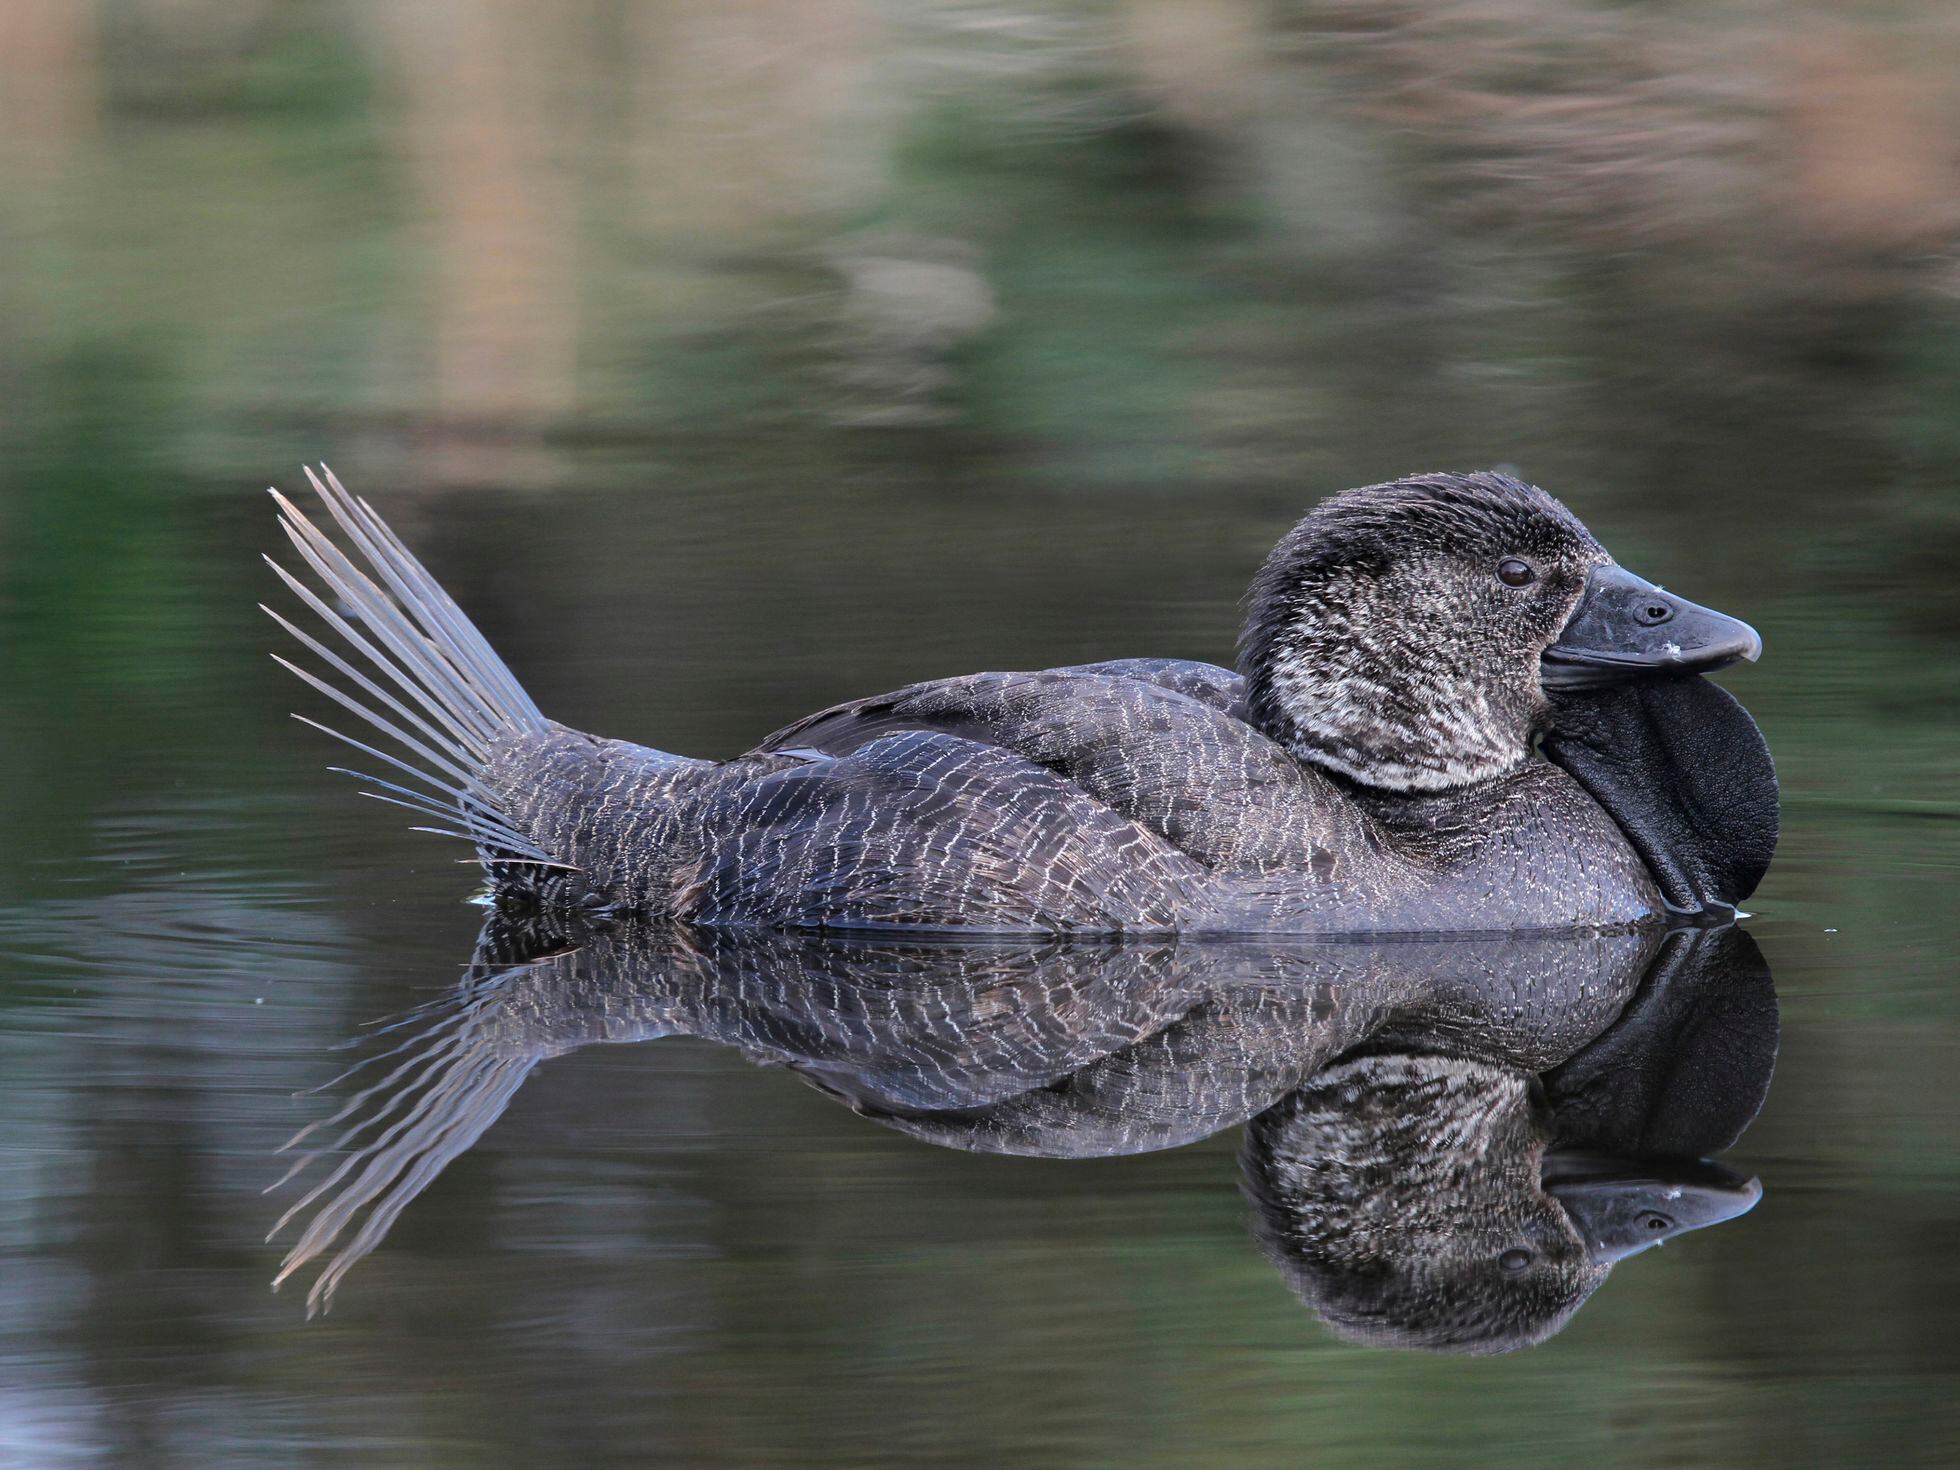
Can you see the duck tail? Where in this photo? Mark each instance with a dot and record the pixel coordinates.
(422, 674)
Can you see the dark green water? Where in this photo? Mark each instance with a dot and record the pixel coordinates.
(928, 369)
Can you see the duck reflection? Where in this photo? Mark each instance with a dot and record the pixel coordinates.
(1450, 1142)
(1423, 1199)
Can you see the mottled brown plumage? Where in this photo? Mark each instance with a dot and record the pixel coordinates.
(1371, 771)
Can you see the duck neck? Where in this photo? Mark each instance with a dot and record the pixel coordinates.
(1426, 731)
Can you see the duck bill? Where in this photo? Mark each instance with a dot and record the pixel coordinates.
(1624, 626)
(1623, 1206)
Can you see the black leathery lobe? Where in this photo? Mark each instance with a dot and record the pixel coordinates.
(1685, 773)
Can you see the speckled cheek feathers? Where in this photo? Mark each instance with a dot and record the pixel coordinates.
(1380, 644)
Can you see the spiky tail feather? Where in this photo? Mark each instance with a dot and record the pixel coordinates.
(452, 699)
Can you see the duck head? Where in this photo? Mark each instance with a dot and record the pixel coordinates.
(1405, 634)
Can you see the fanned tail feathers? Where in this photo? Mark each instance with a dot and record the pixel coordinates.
(422, 675)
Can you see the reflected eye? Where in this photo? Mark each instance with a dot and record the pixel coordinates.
(1514, 1260)
(1515, 573)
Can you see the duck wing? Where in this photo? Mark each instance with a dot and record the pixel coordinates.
(1001, 708)
(1159, 741)
(923, 830)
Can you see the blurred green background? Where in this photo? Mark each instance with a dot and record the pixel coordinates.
(732, 357)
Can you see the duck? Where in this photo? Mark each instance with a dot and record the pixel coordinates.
(1452, 711)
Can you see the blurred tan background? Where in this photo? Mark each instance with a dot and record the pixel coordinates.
(467, 227)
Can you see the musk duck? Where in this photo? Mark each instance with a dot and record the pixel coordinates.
(1453, 711)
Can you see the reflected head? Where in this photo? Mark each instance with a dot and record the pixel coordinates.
(1400, 1197)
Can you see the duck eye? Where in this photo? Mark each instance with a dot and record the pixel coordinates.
(1514, 1260)
(1515, 573)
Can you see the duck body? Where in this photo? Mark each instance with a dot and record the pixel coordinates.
(1371, 769)
(1123, 797)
